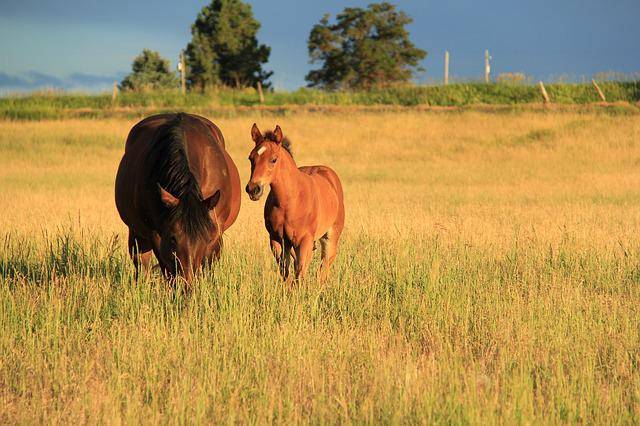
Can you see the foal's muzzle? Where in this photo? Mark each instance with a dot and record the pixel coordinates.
(254, 190)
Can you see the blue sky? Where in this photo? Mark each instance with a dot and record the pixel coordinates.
(89, 43)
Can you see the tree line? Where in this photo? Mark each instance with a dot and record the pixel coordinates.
(362, 48)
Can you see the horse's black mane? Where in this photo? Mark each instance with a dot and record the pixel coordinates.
(171, 170)
(286, 142)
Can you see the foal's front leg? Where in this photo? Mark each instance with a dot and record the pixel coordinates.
(282, 253)
(303, 257)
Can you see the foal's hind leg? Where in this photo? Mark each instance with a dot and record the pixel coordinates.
(140, 252)
(329, 245)
(329, 248)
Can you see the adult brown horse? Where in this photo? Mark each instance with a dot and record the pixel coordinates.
(178, 190)
(304, 205)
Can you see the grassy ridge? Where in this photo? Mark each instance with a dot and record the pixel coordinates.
(67, 105)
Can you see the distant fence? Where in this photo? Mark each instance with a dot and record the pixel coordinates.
(55, 105)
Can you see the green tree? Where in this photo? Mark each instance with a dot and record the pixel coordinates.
(365, 48)
(149, 71)
(224, 48)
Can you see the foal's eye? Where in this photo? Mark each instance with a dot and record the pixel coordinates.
(273, 160)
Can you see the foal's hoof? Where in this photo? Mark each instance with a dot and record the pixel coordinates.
(289, 282)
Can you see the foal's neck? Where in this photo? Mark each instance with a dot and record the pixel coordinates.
(286, 183)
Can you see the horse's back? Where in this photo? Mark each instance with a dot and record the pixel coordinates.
(325, 173)
(215, 131)
(225, 178)
(141, 134)
(220, 172)
(143, 131)
(332, 199)
(132, 170)
(135, 167)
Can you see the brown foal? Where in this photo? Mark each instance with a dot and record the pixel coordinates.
(304, 205)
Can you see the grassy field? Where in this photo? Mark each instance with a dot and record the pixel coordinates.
(489, 273)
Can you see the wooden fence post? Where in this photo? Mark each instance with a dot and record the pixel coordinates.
(446, 67)
(487, 66)
(181, 68)
(260, 94)
(545, 96)
(598, 90)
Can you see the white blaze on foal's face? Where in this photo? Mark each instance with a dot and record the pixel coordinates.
(262, 150)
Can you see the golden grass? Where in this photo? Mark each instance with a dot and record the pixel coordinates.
(451, 174)
(489, 273)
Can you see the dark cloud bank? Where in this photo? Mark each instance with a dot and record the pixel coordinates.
(35, 80)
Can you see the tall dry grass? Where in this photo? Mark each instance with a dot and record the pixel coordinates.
(488, 274)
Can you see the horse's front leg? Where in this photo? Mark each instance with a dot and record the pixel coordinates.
(216, 252)
(140, 252)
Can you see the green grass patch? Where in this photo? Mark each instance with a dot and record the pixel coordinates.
(52, 106)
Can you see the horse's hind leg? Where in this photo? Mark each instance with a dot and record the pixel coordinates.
(140, 251)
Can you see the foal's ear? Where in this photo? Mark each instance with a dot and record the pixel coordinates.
(278, 134)
(212, 201)
(255, 134)
(166, 197)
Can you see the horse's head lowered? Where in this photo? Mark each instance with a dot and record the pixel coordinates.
(188, 236)
(265, 159)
